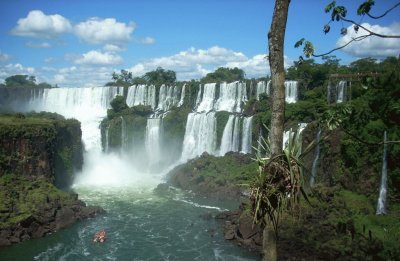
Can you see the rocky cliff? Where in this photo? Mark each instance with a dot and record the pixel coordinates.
(38, 155)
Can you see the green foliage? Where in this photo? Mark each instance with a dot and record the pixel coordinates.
(160, 76)
(18, 81)
(22, 197)
(118, 104)
(224, 75)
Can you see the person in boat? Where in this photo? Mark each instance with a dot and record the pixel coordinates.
(100, 236)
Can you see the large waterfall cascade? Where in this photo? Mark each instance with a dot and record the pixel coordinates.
(89, 106)
(381, 206)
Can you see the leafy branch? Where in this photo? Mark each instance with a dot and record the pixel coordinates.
(339, 13)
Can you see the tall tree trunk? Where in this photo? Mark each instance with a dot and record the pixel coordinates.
(276, 40)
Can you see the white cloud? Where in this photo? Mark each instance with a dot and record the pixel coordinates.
(146, 40)
(13, 69)
(82, 76)
(39, 45)
(38, 24)
(113, 48)
(196, 63)
(372, 46)
(104, 31)
(98, 58)
(4, 57)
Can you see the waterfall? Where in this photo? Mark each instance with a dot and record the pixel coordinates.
(235, 135)
(106, 145)
(88, 105)
(124, 136)
(316, 159)
(152, 142)
(200, 135)
(247, 135)
(291, 91)
(207, 101)
(227, 135)
(263, 88)
(168, 97)
(381, 207)
(230, 97)
(328, 92)
(341, 91)
(182, 99)
(141, 94)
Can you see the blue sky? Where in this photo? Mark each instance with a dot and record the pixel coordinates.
(80, 43)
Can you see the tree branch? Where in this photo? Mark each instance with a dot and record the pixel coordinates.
(358, 38)
(369, 31)
(385, 13)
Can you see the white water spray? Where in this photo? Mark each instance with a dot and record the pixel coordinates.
(381, 207)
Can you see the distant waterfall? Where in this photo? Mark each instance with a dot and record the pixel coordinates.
(106, 145)
(182, 99)
(341, 89)
(152, 141)
(247, 135)
(200, 135)
(263, 88)
(88, 105)
(168, 97)
(207, 101)
(328, 92)
(230, 136)
(141, 95)
(291, 91)
(124, 136)
(316, 159)
(231, 96)
(381, 207)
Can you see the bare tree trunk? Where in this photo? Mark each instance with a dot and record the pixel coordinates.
(269, 242)
(276, 40)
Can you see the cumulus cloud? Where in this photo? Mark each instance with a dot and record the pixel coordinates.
(3, 56)
(146, 40)
(113, 48)
(98, 58)
(38, 24)
(82, 76)
(104, 31)
(196, 63)
(372, 46)
(13, 69)
(192, 63)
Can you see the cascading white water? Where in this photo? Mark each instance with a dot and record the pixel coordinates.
(341, 91)
(328, 92)
(316, 159)
(235, 136)
(106, 145)
(263, 88)
(291, 91)
(141, 95)
(168, 97)
(182, 99)
(247, 134)
(88, 105)
(381, 207)
(200, 135)
(124, 136)
(231, 96)
(208, 98)
(152, 141)
(227, 136)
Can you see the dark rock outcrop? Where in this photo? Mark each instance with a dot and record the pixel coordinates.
(39, 154)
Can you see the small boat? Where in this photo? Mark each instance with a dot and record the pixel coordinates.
(100, 236)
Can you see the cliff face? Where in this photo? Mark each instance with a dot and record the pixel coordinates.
(47, 147)
(38, 155)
